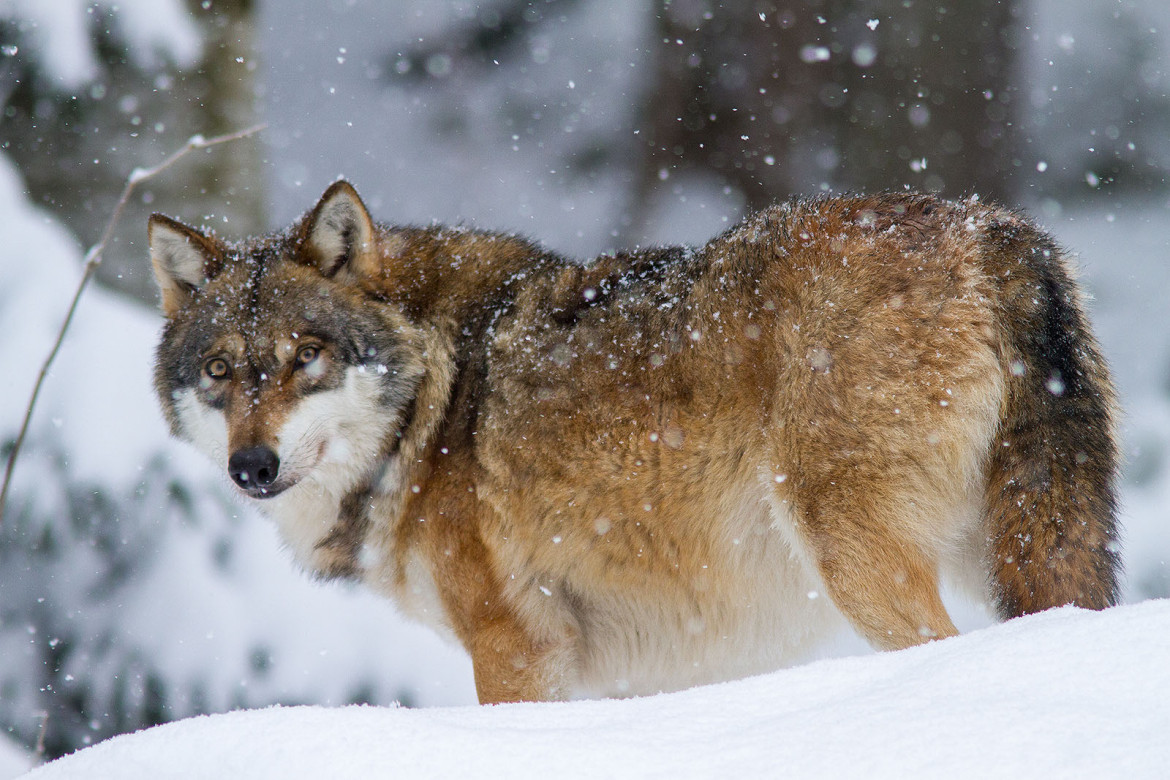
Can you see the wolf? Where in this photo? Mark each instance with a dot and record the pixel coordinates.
(662, 467)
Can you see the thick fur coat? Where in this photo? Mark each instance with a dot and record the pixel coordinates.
(663, 467)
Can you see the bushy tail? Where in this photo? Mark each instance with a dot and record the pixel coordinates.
(1051, 497)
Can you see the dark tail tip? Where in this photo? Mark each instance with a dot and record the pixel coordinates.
(1051, 498)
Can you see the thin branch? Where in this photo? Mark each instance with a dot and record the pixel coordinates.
(40, 748)
(93, 259)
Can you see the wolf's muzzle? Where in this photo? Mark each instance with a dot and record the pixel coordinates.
(254, 469)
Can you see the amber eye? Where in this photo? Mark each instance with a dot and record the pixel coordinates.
(216, 368)
(306, 355)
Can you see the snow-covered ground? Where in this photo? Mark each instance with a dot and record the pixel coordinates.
(14, 761)
(1067, 693)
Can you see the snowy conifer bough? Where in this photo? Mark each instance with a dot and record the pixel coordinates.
(126, 600)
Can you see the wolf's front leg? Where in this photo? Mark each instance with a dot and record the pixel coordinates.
(512, 660)
(510, 665)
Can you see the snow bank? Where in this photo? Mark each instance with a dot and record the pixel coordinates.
(1060, 694)
(14, 762)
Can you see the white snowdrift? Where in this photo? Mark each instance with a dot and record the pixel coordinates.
(1067, 693)
(13, 760)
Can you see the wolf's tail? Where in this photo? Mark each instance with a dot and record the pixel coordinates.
(1051, 498)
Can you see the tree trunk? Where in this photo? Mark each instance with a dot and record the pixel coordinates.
(781, 98)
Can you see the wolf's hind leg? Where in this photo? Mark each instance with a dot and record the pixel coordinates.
(875, 572)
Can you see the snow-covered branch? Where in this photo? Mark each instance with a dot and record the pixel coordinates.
(93, 259)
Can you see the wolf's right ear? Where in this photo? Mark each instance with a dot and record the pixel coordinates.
(184, 259)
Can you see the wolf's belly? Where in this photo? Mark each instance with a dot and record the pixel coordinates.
(762, 607)
(691, 597)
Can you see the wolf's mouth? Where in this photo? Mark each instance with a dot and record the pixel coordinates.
(268, 491)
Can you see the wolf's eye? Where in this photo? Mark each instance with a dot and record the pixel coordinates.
(306, 355)
(216, 368)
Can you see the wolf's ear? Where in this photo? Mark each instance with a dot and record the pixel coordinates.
(184, 259)
(339, 234)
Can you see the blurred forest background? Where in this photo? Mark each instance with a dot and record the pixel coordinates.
(133, 590)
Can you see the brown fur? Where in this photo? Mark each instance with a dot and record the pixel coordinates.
(596, 456)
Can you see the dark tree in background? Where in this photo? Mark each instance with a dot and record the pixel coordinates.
(787, 97)
(782, 97)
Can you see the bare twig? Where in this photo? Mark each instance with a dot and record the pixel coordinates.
(40, 748)
(93, 259)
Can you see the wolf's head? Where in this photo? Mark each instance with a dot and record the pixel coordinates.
(278, 359)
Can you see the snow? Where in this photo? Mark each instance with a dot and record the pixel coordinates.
(1067, 693)
(14, 762)
(34, 301)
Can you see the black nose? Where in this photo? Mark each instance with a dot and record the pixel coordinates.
(253, 467)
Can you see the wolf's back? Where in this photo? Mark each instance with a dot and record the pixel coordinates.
(1050, 494)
